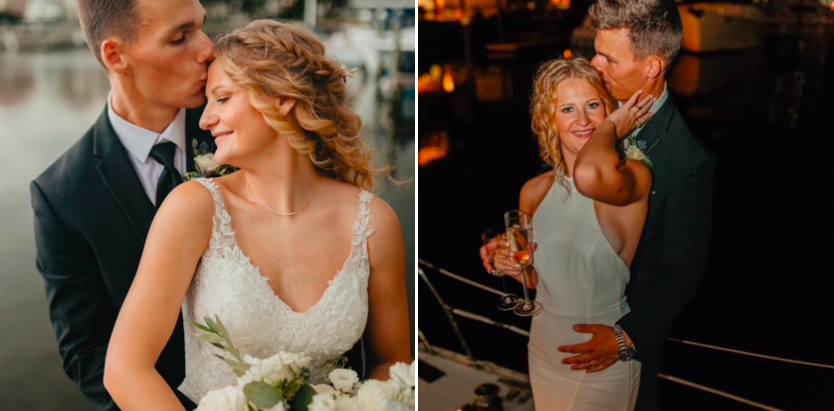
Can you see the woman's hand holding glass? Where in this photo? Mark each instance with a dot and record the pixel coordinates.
(505, 263)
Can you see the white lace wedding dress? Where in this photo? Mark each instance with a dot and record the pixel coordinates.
(227, 285)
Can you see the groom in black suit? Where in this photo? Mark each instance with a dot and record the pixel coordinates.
(636, 42)
(94, 205)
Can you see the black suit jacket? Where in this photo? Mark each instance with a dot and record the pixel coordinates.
(672, 255)
(91, 220)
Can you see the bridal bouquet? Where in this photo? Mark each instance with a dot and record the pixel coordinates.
(282, 383)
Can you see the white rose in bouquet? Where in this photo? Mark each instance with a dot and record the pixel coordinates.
(281, 366)
(322, 402)
(324, 389)
(375, 395)
(346, 403)
(343, 379)
(227, 399)
(402, 372)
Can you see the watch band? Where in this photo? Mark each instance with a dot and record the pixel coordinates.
(625, 353)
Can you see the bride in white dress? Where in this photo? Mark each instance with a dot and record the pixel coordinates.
(292, 252)
(588, 214)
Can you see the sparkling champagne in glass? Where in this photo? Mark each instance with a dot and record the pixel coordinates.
(520, 235)
(508, 301)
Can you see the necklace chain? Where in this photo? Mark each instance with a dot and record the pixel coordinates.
(276, 212)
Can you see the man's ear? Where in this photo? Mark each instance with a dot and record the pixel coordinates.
(112, 55)
(285, 105)
(655, 67)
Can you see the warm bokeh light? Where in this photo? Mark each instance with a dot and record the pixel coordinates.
(531, 5)
(567, 54)
(448, 82)
(436, 148)
(560, 4)
(436, 72)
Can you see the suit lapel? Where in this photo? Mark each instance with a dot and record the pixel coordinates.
(653, 133)
(118, 174)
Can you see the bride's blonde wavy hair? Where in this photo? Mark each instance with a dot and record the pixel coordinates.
(545, 99)
(271, 60)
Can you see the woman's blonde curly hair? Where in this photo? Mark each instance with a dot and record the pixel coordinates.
(545, 99)
(270, 60)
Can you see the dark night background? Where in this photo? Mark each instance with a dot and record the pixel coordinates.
(765, 112)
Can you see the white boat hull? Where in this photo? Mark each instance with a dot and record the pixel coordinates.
(716, 27)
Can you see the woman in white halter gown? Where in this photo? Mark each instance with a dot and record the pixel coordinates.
(585, 239)
(291, 251)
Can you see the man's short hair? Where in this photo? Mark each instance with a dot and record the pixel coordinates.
(102, 18)
(655, 26)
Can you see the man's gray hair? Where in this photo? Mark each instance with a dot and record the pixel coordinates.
(654, 26)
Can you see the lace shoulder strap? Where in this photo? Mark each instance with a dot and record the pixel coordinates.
(222, 233)
(360, 227)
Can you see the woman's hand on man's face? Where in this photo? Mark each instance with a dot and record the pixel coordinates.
(632, 115)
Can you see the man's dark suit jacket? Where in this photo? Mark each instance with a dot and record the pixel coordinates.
(91, 220)
(672, 256)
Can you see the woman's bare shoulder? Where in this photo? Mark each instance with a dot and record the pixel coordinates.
(534, 190)
(190, 201)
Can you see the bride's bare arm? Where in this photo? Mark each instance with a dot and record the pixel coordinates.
(177, 239)
(387, 331)
(598, 172)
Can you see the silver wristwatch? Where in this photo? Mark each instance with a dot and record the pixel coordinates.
(626, 353)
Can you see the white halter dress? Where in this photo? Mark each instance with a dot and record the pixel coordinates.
(581, 280)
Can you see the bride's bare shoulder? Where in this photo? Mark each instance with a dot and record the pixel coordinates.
(534, 190)
(348, 196)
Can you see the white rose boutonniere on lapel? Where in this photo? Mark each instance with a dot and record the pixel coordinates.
(634, 151)
(205, 164)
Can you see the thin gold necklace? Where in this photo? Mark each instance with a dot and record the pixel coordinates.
(270, 208)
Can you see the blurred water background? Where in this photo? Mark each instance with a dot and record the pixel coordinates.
(51, 91)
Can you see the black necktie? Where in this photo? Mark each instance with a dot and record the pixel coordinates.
(163, 153)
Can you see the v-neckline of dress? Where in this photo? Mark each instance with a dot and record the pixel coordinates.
(265, 280)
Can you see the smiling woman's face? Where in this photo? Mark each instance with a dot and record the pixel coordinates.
(579, 111)
(238, 128)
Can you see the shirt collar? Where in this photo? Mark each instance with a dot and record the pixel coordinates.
(654, 108)
(139, 141)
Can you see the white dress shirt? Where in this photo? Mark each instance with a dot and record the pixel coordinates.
(139, 142)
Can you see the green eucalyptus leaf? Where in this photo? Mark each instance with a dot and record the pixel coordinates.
(262, 394)
(201, 326)
(211, 339)
(303, 398)
(222, 329)
(238, 367)
(211, 324)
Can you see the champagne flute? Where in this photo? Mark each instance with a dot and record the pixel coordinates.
(520, 235)
(508, 301)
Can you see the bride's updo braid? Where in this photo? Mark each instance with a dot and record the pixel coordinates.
(270, 60)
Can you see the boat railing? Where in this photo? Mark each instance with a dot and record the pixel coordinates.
(452, 313)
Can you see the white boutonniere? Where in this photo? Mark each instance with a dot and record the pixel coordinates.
(205, 164)
(634, 151)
